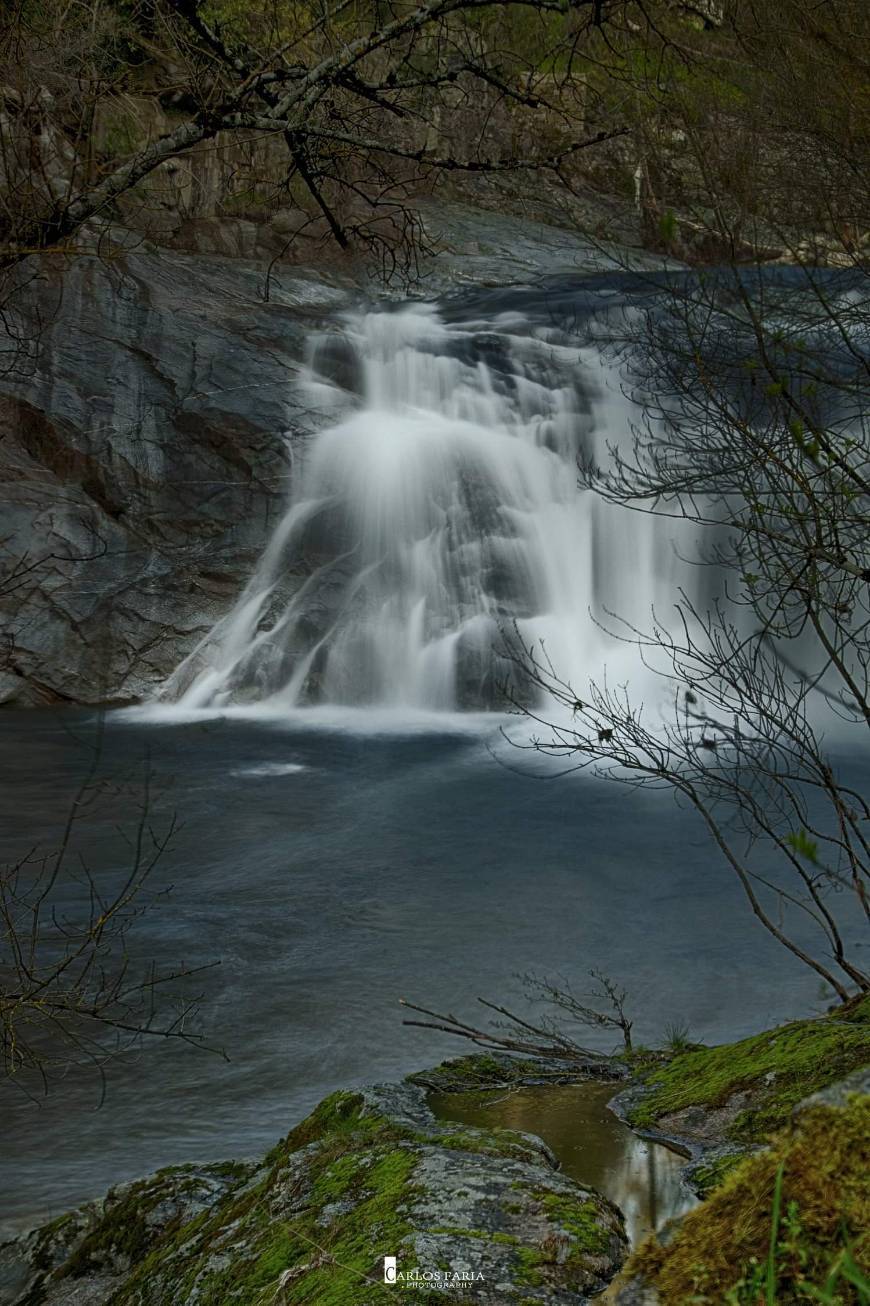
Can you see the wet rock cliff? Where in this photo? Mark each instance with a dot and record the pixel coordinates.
(147, 423)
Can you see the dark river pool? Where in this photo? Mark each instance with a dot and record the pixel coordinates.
(331, 871)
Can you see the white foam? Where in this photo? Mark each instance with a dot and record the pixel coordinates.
(326, 717)
(270, 769)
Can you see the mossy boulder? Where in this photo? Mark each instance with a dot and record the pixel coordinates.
(101, 1240)
(366, 1175)
(734, 1249)
(733, 1096)
(484, 1071)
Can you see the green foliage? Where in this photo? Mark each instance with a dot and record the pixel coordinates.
(805, 846)
(789, 1247)
(668, 227)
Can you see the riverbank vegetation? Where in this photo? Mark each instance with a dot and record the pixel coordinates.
(768, 1073)
(786, 1225)
(731, 130)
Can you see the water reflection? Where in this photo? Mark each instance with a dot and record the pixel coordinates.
(642, 1178)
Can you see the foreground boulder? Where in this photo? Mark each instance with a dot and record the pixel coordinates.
(792, 1220)
(368, 1175)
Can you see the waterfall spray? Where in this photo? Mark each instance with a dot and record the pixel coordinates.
(440, 509)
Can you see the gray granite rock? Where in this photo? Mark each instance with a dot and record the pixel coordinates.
(145, 434)
(367, 1175)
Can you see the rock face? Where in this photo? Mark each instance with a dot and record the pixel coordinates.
(367, 1175)
(143, 452)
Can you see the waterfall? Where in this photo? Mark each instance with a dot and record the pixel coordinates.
(437, 508)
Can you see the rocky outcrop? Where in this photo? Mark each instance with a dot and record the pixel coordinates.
(496, 1070)
(369, 1174)
(144, 423)
(794, 1101)
(373, 1174)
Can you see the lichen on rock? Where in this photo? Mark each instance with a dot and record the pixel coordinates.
(367, 1174)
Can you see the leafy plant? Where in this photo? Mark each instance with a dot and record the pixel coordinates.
(789, 1253)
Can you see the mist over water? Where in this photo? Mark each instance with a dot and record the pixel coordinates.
(436, 513)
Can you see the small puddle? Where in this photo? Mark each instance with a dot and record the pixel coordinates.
(593, 1146)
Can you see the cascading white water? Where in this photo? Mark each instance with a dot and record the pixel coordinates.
(441, 508)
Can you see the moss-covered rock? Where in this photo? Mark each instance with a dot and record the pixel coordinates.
(102, 1240)
(734, 1249)
(366, 1175)
(740, 1092)
(710, 1171)
(484, 1071)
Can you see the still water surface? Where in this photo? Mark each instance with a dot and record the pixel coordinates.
(592, 1145)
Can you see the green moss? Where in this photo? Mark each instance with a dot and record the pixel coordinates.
(339, 1178)
(124, 1231)
(779, 1067)
(528, 1267)
(711, 1174)
(474, 1072)
(498, 1142)
(235, 1254)
(356, 1243)
(579, 1219)
(825, 1207)
(337, 1114)
(47, 1240)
